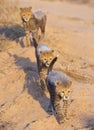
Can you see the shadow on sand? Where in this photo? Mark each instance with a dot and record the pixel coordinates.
(30, 69)
(14, 32)
(88, 124)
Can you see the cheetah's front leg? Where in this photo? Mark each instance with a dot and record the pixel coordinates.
(65, 109)
(27, 39)
(42, 84)
(58, 109)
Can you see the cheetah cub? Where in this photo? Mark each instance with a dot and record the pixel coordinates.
(59, 87)
(44, 56)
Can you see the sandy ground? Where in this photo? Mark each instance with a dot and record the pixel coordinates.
(69, 31)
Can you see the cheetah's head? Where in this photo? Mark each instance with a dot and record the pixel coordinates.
(26, 13)
(63, 91)
(46, 57)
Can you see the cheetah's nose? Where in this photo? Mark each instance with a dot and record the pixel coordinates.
(66, 97)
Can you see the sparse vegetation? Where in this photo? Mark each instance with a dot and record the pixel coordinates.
(80, 1)
(69, 31)
(6, 15)
(76, 1)
(9, 19)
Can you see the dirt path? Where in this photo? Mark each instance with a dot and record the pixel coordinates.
(23, 106)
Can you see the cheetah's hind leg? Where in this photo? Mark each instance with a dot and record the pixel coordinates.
(41, 83)
(50, 108)
(65, 107)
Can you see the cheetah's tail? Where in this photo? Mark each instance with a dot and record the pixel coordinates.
(52, 63)
(34, 42)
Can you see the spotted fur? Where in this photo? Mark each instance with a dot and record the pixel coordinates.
(32, 22)
(44, 56)
(59, 87)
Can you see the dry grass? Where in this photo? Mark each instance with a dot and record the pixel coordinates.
(5, 43)
(77, 1)
(80, 1)
(9, 23)
(8, 12)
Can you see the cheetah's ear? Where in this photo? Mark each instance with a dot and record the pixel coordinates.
(52, 50)
(30, 8)
(21, 9)
(40, 51)
(57, 82)
(70, 83)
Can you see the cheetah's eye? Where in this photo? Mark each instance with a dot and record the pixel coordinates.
(57, 83)
(44, 59)
(50, 58)
(69, 91)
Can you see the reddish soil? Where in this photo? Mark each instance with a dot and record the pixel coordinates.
(69, 31)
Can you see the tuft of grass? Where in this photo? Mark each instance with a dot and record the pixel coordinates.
(79, 1)
(9, 12)
(76, 1)
(4, 43)
(10, 28)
